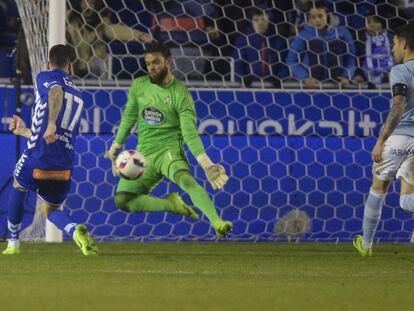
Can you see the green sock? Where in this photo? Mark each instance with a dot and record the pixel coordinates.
(198, 195)
(147, 203)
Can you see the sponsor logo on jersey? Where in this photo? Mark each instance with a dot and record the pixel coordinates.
(153, 116)
(402, 152)
(63, 175)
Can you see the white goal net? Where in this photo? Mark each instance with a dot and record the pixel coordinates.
(291, 115)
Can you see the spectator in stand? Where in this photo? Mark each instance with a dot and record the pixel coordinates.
(257, 54)
(297, 15)
(188, 27)
(321, 52)
(376, 54)
(89, 28)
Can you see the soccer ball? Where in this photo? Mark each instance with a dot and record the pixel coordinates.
(131, 164)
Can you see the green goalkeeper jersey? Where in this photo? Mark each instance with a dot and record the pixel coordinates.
(165, 117)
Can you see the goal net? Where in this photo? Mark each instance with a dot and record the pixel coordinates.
(297, 150)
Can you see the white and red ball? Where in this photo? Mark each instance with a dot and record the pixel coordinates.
(131, 164)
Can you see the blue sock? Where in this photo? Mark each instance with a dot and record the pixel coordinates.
(372, 215)
(15, 213)
(62, 221)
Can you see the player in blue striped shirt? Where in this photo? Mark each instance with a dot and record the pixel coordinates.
(46, 165)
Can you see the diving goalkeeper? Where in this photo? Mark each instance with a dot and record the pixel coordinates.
(163, 109)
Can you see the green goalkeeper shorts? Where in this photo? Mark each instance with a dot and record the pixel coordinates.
(165, 163)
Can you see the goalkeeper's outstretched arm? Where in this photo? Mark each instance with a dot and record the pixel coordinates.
(215, 173)
(129, 119)
(129, 116)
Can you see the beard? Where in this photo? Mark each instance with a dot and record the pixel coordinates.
(159, 78)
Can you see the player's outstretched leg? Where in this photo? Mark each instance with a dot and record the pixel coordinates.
(201, 200)
(222, 227)
(84, 240)
(14, 219)
(78, 232)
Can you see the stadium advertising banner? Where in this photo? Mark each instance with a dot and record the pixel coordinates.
(262, 113)
(226, 112)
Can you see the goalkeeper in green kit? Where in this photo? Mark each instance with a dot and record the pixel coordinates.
(163, 109)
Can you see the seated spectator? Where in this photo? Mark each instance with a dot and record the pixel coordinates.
(257, 54)
(89, 28)
(376, 53)
(189, 29)
(321, 52)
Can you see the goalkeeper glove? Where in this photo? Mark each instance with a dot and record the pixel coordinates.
(111, 154)
(215, 173)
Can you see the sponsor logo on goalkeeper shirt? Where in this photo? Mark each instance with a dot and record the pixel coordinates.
(153, 116)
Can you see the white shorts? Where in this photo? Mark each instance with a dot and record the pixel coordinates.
(397, 159)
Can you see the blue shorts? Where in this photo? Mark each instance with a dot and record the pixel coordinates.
(52, 183)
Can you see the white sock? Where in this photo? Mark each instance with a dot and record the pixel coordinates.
(13, 243)
(372, 215)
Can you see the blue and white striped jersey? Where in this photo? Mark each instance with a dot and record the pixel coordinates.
(60, 153)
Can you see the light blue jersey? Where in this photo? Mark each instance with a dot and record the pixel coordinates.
(404, 74)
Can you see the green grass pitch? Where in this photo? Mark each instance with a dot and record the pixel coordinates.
(207, 276)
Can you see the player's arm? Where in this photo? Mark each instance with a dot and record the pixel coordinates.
(399, 93)
(394, 117)
(125, 33)
(18, 127)
(128, 121)
(215, 173)
(55, 102)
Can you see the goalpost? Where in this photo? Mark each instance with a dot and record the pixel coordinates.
(57, 31)
(47, 20)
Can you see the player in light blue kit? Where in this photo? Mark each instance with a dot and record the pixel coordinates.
(46, 165)
(393, 154)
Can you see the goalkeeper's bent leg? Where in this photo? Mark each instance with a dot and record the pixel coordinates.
(144, 203)
(197, 194)
(131, 202)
